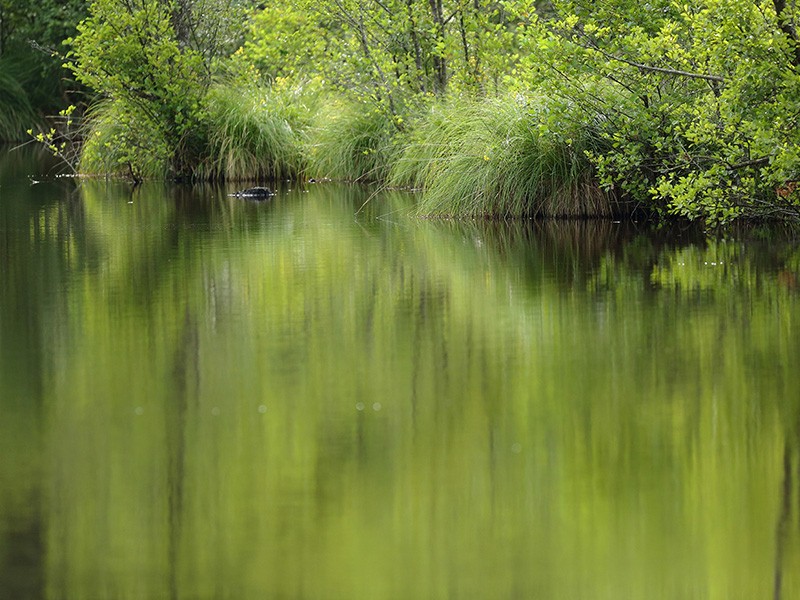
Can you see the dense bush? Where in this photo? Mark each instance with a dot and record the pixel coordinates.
(255, 131)
(120, 139)
(16, 111)
(351, 141)
(698, 102)
(32, 81)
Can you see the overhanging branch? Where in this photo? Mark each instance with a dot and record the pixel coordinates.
(678, 72)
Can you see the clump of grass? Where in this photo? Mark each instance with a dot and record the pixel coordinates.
(500, 157)
(351, 141)
(255, 132)
(243, 132)
(16, 112)
(121, 141)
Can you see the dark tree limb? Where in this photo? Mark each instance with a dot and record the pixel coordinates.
(593, 46)
(786, 25)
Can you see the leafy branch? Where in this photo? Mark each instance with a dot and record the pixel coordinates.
(62, 141)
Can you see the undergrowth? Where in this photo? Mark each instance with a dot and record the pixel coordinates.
(121, 141)
(16, 112)
(493, 157)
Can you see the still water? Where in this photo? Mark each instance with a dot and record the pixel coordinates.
(318, 397)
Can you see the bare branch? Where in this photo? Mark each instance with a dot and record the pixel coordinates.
(756, 162)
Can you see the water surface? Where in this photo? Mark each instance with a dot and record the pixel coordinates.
(320, 397)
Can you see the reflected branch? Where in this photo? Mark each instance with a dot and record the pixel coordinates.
(186, 379)
(783, 520)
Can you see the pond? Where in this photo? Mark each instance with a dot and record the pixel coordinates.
(320, 396)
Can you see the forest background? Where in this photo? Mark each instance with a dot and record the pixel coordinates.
(505, 108)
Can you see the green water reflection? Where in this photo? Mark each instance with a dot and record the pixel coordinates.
(209, 398)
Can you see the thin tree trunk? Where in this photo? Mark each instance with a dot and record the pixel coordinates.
(464, 42)
(384, 84)
(415, 42)
(439, 61)
(786, 24)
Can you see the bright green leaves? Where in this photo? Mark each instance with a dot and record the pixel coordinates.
(287, 39)
(134, 54)
(696, 102)
(130, 53)
(389, 53)
(692, 106)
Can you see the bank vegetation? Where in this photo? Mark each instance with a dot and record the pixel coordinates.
(504, 108)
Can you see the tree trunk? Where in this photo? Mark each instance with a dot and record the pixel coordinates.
(439, 60)
(415, 43)
(786, 24)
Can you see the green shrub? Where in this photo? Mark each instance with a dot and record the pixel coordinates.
(119, 140)
(153, 81)
(700, 126)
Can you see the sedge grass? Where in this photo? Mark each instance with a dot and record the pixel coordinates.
(255, 132)
(16, 112)
(351, 141)
(120, 141)
(500, 157)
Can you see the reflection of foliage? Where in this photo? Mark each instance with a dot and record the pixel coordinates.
(697, 269)
(548, 396)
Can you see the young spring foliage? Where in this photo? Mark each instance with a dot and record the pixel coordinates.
(697, 102)
(151, 62)
(385, 52)
(128, 53)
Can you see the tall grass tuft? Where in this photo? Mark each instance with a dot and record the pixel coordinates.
(351, 141)
(255, 132)
(500, 157)
(121, 141)
(16, 112)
